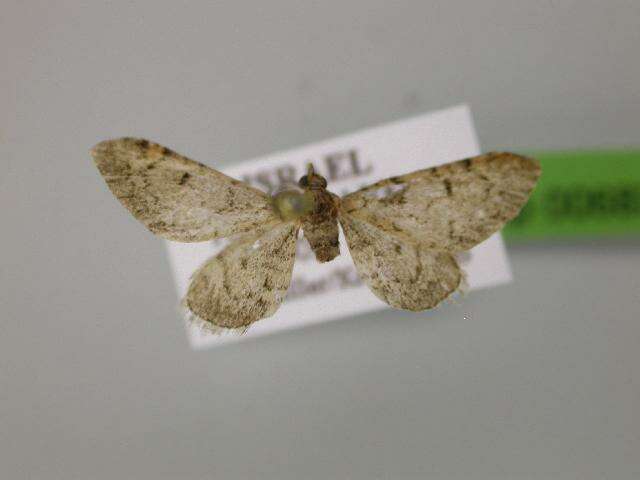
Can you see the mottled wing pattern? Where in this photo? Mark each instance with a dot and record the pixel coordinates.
(401, 273)
(177, 198)
(451, 207)
(245, 282)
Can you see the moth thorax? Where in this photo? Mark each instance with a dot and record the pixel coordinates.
(292, 204)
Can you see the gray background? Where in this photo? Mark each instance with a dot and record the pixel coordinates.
(537, 379)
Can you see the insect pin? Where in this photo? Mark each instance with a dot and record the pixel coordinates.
(403, 232)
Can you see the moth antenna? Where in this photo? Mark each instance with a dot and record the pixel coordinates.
(310, 170)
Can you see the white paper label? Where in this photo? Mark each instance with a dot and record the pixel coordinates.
(331, 291)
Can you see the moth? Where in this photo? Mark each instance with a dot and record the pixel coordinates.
(403, 232)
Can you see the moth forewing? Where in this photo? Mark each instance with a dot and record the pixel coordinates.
(177, 198)
(451, 207)
(245, 282)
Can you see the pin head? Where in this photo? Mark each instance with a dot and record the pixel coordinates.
(293, 204)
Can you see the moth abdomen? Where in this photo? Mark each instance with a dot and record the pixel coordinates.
(321, 227)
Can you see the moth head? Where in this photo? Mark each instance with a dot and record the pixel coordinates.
(293, 204)
(312, 180)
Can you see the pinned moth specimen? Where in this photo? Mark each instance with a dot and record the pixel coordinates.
(403, 232)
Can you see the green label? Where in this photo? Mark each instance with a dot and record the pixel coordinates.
(582, 193)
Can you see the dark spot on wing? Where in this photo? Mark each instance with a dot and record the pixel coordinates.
(447, 185)
(262, 305)
(184, 178)
(466, 163)
(143, 144)
(398, 248)
(167, 152)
